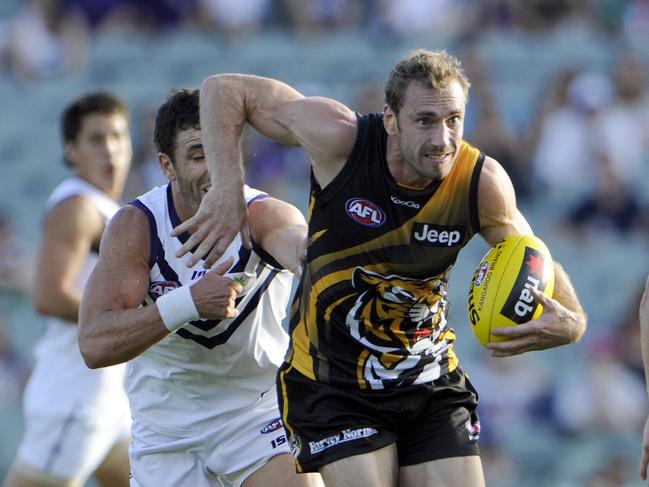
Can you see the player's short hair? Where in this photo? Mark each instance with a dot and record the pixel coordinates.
(180, 112)
(95, 102)
(433, 69)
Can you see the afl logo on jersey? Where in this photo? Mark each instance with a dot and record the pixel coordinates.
(160, 288)
(273, 426)
(365, 212)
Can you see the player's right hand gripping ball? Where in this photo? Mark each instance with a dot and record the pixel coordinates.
(499, 294)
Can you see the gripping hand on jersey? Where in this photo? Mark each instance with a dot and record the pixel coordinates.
(214, 295)
(220, 216)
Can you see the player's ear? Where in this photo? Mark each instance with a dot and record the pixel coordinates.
(390, 120)
(69, 154)
(167, 166)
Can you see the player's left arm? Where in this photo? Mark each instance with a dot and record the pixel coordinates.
(280, 229)
(563, 320)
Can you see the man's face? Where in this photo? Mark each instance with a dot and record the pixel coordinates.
(101, 153)
(192, 177)
(430, 127)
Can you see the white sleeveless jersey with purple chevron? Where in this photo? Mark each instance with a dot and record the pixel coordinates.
(61, 380)
(208, 367)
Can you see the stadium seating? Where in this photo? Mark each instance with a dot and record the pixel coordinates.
(606, 272)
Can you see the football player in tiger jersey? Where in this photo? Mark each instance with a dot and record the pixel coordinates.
(202, 346)
(372, 392)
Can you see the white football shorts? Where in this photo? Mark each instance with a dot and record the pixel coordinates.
(71, 446)
(237, 445)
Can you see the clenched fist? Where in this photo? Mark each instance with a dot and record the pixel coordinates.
(214, 295)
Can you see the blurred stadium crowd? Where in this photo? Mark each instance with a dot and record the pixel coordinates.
(560, 96)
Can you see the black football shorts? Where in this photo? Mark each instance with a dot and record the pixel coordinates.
(427, 422)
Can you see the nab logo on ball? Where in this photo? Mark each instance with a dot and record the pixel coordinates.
(365, 212)
(482, 272)
(520, 305)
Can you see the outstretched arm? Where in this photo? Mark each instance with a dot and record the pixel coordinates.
(563, 320)
(113, 328)
(325, 128)
(644, 344)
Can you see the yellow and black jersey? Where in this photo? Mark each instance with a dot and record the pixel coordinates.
(371, 307)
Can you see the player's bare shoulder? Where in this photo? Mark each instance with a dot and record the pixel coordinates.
(327, 130)
(495, 186)
(497, 208)
(127, 234)
(319, 117)
(74, 217)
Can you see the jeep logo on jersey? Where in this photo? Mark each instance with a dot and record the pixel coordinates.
(159, 288)
(437, 235)
(365, 212)
(520, 305)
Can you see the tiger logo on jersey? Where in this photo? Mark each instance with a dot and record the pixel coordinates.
(402, 324)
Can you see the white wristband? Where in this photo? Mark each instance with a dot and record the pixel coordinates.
(177, 308)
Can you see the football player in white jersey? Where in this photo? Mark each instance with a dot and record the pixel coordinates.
(202, 345)
(77, 421)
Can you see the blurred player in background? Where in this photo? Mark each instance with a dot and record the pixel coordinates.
(77, 420)
(203, 345)
(644, 343)
(372, 392)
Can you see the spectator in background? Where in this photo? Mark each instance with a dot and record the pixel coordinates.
(47, 39)
(542, 15)
(233, 19)
(522, 398)
(485, 127)
(274, 168)
(613, 470)
(531, 16)
(599, 385)
(311, 17)
(571, 127)
(133, 15)
(555, 97)
(500, 468)
(623, 127)
(603, 133)
(447, 19)
(102, 13)
(369, 97)
(636, 20)
(16, 263)
(4, 47)
(612, 205)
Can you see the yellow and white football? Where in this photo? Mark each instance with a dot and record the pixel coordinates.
(499, 294)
